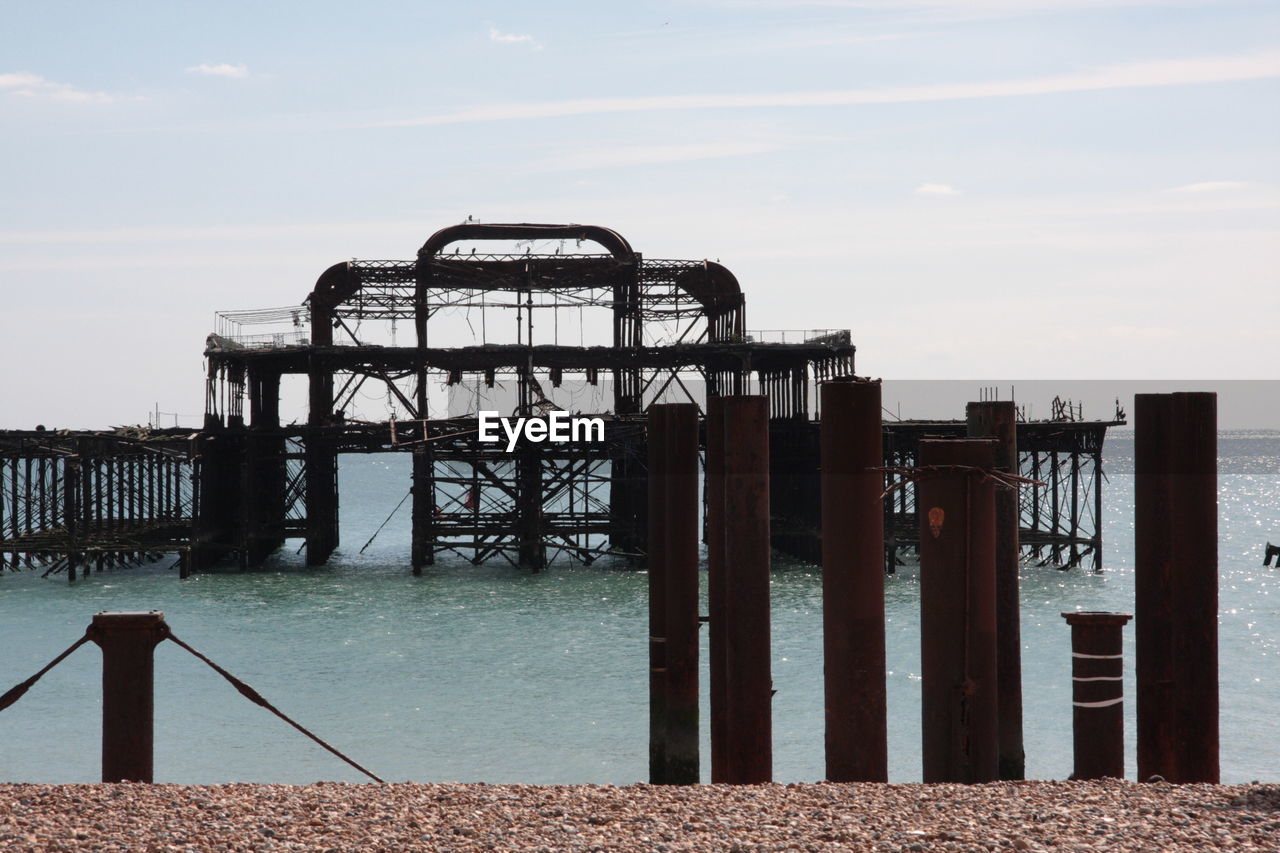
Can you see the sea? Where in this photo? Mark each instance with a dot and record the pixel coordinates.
(493, 674)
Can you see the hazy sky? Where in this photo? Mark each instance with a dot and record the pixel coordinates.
(1024, 188)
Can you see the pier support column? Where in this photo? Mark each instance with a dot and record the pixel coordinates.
(1176, 585)
(853, 582)
(262, 483)
(128, 641)
(422, 546)
(1097, 693)
(997, 419)
(533, 551)
(322, 463)
(958, 611)
(748, 683)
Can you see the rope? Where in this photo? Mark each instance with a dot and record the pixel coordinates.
(16, 692)
(256, 698)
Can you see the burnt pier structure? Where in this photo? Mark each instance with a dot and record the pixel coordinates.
(402, 355)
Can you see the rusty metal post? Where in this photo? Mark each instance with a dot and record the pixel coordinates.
(1097, 693)
(748, 683)
(958, 611)
(1194, 576)
(127, 641)
(680, 565)
(716, 586)
(1176, 585)
(657, 553)
(853, 582)
(1153, 628)
(997, 419)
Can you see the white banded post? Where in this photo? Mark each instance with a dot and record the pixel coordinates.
(1097, 677)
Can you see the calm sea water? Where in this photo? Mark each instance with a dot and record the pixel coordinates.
(486, 673)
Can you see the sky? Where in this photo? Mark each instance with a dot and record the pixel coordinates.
(1029, 189)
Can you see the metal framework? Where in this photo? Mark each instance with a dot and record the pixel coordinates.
(484, 322)
(77, 501)
(460, 329)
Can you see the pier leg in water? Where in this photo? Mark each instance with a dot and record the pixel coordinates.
(958, 611)
(853, 582)
(423, 510)
(128, 641)
(997, 419)
(1097, 672)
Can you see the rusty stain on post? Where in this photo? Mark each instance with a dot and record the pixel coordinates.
(853, 582)
(1097, 693)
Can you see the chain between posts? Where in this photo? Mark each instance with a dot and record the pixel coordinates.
(19, 690)
(256, 698)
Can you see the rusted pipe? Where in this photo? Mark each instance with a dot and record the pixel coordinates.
(656, 559)
(957, 612)
(680, 563)
(127, 641)
(853, 582)
(1194, 575)
(1176, 585)
(748, 683)
(716, 585)
(1097, 693)
(1153, 627)
(997, 419)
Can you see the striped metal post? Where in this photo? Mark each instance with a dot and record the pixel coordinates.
(1097, 696)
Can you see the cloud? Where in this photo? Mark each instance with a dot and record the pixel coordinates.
(512, 38)
(1211, 187)
(651, 155)
(1171, 72)
(936, 189)
(28, 85)
(222, 69)
(963, 10)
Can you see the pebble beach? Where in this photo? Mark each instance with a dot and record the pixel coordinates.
(1108, 815)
